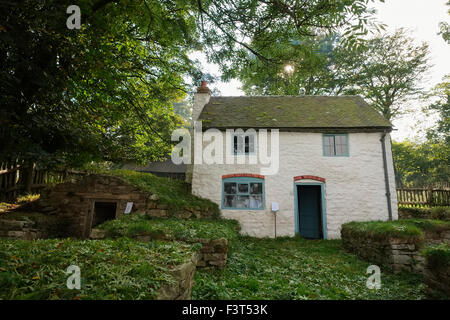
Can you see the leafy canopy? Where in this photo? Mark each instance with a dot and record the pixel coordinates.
(105, 92)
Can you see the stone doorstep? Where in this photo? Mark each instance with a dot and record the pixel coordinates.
(97, 234)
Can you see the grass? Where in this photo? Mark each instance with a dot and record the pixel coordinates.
(412, 229)
(174, 193)
(438, 256)
(110, 269)
(294, 268)
(186, 230)
(382, 229)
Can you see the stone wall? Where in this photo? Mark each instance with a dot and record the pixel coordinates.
(181, 288)
(398, 254)
(214, 252)
(75, 200)
(437, 281)
(20, 229)
(354, 188)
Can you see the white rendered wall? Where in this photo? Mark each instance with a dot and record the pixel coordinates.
(354, 187)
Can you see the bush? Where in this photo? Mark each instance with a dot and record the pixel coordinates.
(438, 256)
(414, 212)
(110, 269)
(441, 213)
(157, 228)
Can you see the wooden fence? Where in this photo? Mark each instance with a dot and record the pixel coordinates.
(13, 181)
(423, 197)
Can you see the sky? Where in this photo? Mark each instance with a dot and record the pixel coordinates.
(421, 18)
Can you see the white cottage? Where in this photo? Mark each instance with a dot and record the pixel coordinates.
(334, 163)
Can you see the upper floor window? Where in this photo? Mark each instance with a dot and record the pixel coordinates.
(335, 145)
(243, 144)
(243, 193)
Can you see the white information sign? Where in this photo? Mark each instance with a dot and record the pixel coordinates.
(128, 207)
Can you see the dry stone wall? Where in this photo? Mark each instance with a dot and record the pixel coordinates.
(398, 254)
(19, 229)
(181, 288)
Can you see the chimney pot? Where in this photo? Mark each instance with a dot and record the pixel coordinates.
(203, 88)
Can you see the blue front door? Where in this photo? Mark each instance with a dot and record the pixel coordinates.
(309, 211)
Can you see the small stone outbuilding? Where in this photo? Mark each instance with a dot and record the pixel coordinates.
(92, 200)
(85, 203)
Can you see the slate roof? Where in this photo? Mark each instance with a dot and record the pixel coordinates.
(307, 112)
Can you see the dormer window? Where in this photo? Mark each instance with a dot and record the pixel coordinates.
(243, 144)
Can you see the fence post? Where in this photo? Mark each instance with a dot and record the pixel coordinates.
(430, 201)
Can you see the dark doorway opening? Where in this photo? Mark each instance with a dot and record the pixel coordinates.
(103, 211)
(310, 211)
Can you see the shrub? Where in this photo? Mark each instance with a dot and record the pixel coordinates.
(414, 212)
(438, 256)
(441, 213)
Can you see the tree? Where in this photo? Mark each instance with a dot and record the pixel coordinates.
(441, 133)
(106, 91)
(420, 164)
(444, 28)
(386, 70)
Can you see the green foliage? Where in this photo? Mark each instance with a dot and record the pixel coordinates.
(441, 132)
(179, 229)
(438, 256)
(416, 212)
(103, 92)
(110, 269)
(440, 213)
(421, 164)
(175, 193)
(106, 91)
(386, 70)
(444, 28)
(295, 268)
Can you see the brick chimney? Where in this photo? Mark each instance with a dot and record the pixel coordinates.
(201, 98)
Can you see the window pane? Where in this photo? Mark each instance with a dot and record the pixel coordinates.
(341, 145)
(242, 202)
(243, 187)
(246, 144)
(230, 187)
(251, 143)
(256, 201)
(328, 142)
(235, 144)
(256, 188)
(229, 201)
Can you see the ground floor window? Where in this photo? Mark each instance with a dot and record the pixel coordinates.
(243, 193)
